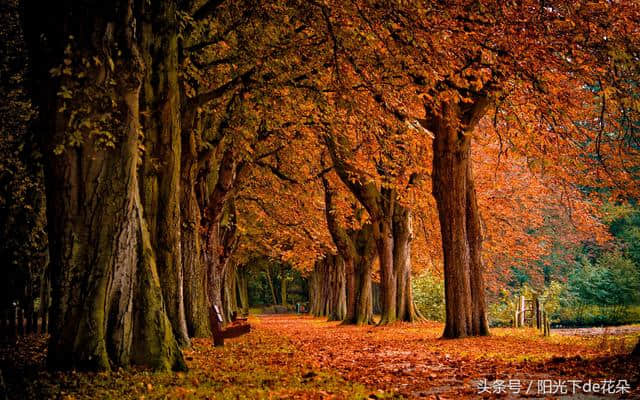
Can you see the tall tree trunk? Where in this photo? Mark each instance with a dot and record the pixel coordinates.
(160, 101)
(346, 248)
(317, 285)
(216, 257)
(283, 291)
(45, 296)
(338, 290)
(384, 243)
(352, 289)
(364, 244)
(480, 324)
(230, 295)
(364, 295)
(450, 158)
(314, 288)
(195, 273)
(270, 282)
(218, 223)
(328, 294)
(459, 221)
(107, 307)
(375, 297)
(243, 289)
(380, 204)
(402, 237)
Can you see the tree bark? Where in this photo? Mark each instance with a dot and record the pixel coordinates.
(270, 282)
(402, 236)
(218, 223)
(459, 221)
(45, 297)
(107, 307)
(383, 233)
(195, 287)
(480, 323)
(283, 291)
(328, 297)
(316, 295)
(243, 289)
(380, 204)
(160, 101)
(221, 242)
(450, 158)
(230, 294)
(346, 248)
(375, 297)
(314, 288)
(365, 246)
(338, 290)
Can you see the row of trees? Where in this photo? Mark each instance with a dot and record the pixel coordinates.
(167, 128)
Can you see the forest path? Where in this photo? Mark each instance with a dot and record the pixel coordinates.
(622, 330)
(411, 360)
(292, 356)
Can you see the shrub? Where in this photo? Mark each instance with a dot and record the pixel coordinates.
(428, 294)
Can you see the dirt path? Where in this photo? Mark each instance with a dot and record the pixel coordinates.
(412, 361)
(603, 331)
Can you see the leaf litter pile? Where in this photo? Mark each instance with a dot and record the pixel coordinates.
(303, 357)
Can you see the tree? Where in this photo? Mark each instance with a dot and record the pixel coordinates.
(391, 228)
(356, 249)
(458, 61)
(167, 129)
(108, 306)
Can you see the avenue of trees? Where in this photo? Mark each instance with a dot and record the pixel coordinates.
(167, 145)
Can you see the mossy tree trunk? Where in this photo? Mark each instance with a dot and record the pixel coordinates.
(193, 244)
(230, 294)
(243, 289)
(220, 239)
(160, 176)
(195, 287)
(107, 306)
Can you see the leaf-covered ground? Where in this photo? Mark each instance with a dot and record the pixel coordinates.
(302, 357)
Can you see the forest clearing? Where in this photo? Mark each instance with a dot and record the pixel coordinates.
(291, 356)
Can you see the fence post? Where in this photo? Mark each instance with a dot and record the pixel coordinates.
(538, 314)
(546, 324)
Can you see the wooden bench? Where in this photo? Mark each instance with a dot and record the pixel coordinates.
(238, 326)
